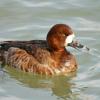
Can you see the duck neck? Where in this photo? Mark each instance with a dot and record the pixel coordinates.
(58, 54)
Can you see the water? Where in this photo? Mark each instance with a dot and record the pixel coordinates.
(31, 19)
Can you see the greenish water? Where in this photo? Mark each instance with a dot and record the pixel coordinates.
(31, 19)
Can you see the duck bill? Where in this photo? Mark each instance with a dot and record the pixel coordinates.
(77, 45)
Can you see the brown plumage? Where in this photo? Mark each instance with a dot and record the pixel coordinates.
(48, 57)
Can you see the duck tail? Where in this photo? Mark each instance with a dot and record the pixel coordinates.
(2, 49)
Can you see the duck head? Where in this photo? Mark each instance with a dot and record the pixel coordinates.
(59, 36)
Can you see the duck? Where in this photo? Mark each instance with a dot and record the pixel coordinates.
(45, 57)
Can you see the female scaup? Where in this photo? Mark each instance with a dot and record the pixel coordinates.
(49, 57)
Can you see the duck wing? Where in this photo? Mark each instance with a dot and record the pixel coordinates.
(31, 56)
(26, 45)
(29, 46)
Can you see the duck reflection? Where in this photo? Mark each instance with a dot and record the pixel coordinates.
(61, 86)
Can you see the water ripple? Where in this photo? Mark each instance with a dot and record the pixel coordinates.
(33, 4)
(25, 27)
(84, 24)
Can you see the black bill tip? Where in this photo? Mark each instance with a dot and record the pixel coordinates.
(77, 45)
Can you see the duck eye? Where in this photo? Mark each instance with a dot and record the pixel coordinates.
(64, 35)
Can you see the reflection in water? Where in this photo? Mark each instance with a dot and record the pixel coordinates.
(60, 86)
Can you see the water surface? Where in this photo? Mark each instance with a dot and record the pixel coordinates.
(31, 19)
